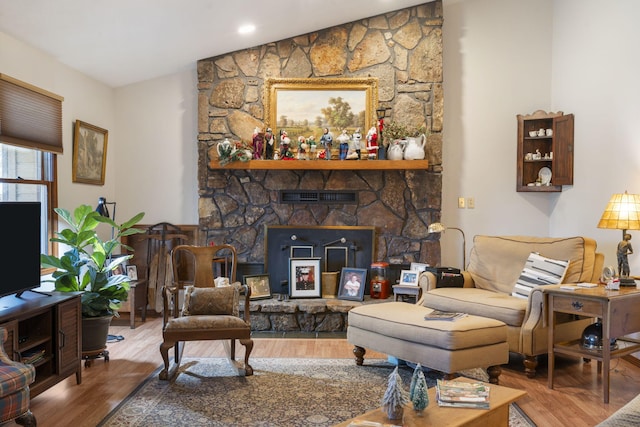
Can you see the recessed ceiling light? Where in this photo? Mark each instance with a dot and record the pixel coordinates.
(246, 29)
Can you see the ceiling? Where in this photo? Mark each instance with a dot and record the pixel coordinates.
(120, 42)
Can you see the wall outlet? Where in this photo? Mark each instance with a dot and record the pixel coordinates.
(460, 202)
(471, 203)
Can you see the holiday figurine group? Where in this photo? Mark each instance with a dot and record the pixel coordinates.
(265, 145)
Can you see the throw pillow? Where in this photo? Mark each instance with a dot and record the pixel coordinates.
(539, 271)
(210, 301)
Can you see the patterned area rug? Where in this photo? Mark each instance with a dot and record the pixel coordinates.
(281, 392)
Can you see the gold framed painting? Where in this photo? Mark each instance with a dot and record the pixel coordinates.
(89, 153)
(303, 107)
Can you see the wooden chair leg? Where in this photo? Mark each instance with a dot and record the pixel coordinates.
(27, 419)
(359, 353)
(530, 365)
(494, 372)
(248, 346)
(233, 349)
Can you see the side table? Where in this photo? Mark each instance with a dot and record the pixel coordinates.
(137, 300)
(406, 291)
(618, 312)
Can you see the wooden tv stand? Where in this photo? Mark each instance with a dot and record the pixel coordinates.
(48, 325)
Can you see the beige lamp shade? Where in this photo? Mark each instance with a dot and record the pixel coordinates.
(622, 212)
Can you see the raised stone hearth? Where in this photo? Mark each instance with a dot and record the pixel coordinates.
(303, 315)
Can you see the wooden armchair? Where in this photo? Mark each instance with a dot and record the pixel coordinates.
(208, 312)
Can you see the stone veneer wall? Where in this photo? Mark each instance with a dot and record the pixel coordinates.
(403, 49)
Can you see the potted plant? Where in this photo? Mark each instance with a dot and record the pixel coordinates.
(88, 267)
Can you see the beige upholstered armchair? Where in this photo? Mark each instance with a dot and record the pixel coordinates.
(208, 312)
(495, 265)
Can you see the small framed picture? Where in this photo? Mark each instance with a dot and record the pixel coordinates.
(418, 266)
(259, 284)
(304, 278)
(409, 277)
(352, 283)
(132, 272)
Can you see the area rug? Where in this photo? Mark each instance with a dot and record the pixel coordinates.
(281, 393)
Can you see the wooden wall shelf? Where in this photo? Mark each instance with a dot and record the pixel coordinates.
(324, 165)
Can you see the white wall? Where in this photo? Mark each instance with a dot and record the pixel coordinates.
(595, 75)
(497, 61)
(84, 99)
(157, 153)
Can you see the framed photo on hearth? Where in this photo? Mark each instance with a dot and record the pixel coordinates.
(352, 283)
(259, 284)
(304, 278)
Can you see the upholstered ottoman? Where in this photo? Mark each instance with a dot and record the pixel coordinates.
(399, 329)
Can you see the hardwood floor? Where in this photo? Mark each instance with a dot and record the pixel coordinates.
(576, 399)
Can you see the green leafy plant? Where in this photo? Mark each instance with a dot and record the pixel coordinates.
(396, 130)
(87, 266)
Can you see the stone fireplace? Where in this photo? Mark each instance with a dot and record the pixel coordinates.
(403, 50)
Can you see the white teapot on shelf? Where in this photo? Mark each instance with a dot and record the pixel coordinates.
(395, 151)
(414, 148)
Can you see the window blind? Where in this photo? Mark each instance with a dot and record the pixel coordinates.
(29, 116)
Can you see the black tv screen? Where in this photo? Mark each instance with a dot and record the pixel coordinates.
(20, 247)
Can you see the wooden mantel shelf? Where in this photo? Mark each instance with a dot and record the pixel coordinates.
(324, 165)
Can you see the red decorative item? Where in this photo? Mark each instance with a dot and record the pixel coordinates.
(380, 287)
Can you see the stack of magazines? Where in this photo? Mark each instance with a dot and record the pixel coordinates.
(443, 315)
(462, 394)
(32, 356)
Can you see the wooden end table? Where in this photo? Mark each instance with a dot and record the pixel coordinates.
(618, 312)
(434, 415)
(403, 291)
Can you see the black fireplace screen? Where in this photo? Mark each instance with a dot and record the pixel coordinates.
(336, 246)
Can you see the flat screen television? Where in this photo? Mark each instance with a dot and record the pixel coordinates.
(20, 247)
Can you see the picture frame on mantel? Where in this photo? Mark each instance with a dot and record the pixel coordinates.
(295, 104)
(89, 153)
(304, 278)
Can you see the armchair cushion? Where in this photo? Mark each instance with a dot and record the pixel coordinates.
(210, 301)
(496, 261)
(14, 377)
(202, 322)
(539, 271)
(478, 302)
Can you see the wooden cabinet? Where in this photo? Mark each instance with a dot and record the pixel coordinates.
(45, 331)
(549, 150)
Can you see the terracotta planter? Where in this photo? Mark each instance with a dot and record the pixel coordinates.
(94, 333)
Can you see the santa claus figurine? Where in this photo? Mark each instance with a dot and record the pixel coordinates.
(372, 143)
(258, 143)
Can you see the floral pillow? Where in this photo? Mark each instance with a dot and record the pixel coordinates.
(210, 301)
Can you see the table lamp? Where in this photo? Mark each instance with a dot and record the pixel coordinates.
(438, 227)
(622, 213)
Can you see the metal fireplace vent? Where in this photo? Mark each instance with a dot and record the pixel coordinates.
(305, 196)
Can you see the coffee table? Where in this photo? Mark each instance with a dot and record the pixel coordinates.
(434, 415)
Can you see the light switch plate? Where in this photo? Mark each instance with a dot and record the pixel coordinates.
(460, 202)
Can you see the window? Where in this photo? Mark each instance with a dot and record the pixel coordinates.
(30, 137)
(28, 175)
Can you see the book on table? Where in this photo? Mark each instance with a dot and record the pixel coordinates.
(443, 315)
(462, 394)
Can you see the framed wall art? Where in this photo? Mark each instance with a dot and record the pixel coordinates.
(352, 284)
(89, 153)
(304, 107)
(304, 278)
(259, 284)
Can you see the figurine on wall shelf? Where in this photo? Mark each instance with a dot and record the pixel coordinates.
(357, 142)
(344, 144)
(269, 140)
(258, 143)
(372, 143)
(326, 140)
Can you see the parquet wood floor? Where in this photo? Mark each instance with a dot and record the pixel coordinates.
(575, 401)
